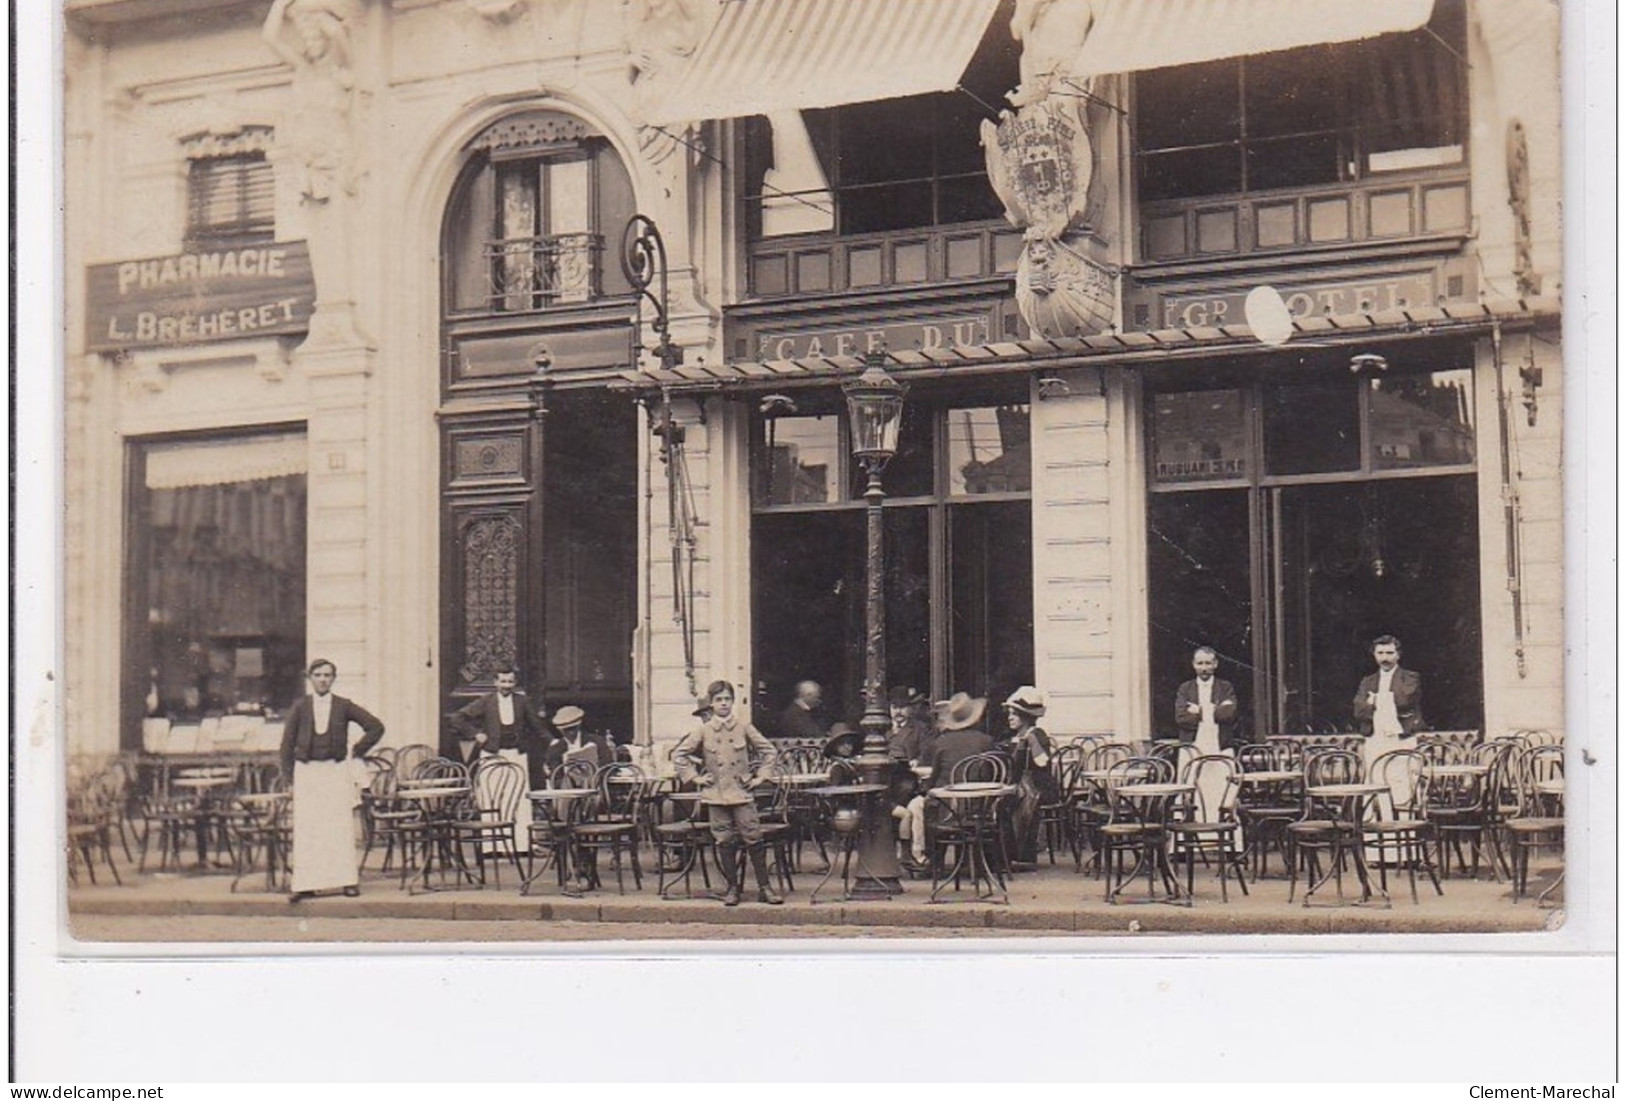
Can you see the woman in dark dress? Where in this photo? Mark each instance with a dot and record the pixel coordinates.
(1030, 753)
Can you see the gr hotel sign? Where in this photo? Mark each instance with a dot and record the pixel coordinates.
(1303, 300)
(197, 297)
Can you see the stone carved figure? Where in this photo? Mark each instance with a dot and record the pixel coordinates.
(1051, 33)
(660, 34)
(317, 129)
(313, 38)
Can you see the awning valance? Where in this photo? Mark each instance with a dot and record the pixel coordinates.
(221, 462)
(763, 56)
(1135, 348)
(1131, 35)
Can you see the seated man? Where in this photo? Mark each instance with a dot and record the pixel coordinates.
(961, 737)
(573, 744)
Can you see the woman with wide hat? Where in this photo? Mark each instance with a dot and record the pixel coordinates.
(1030, 755)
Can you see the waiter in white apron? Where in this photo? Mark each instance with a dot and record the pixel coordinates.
(1388, 704)
(1205, 712)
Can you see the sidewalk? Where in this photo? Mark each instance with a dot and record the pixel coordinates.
(1050, 901)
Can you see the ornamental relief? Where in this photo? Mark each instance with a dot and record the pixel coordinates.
(490, 597)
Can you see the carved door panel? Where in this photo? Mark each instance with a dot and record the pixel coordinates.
(492, 598)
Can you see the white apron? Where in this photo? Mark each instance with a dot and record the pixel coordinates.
(324, 798)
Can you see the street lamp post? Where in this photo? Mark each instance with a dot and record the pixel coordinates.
(874, 402)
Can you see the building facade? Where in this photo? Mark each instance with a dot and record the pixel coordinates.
(1213, 335)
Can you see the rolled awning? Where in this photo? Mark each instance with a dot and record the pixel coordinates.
(1131, 35)
(763, 56)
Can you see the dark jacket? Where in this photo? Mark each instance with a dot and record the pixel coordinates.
(300, 742)
(1224, 711)
(1407, 687)
(798, 722)
(953, 746)
(482, 716)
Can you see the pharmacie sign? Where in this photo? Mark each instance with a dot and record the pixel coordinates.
(198, 297)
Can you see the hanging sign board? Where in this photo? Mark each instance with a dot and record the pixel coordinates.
(199, 297)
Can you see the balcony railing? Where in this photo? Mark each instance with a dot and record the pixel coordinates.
(533, 273)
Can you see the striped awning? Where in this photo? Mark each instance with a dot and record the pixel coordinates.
(1131, 35)
(1111, 349)
(763, 56)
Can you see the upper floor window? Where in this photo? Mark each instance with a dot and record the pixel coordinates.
(1297, 118)
(536, 218)
(230, 188)
(885, 165)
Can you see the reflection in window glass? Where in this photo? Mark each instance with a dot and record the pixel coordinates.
(1199, 436)
(1311, 429)
(989, 450)
(800, 461)
(911, 472)
(1422, 420)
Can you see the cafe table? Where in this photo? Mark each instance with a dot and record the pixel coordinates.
(1148, 805)
(1345, 806)
(205, 785)
(855, 811)
(438, 804)
(973, 831)
(555, 807)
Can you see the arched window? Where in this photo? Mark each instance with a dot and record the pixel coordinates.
(535, 214)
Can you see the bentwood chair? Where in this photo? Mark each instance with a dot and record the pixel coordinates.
(498, 787)
(1537, 823)
(611, 825)
(91, 807)
(385, 816)
(1054, 818)
(1211, 827)
(1396, 828)
(1136, 826)
(1323, 827)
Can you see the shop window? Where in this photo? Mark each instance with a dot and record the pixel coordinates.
(1199, 436)
(1421, 420)
(1306, 117)
(230, 199)
(874, 167)
(1311, 428)
(1295, 517)
(535, 222)
(958, 578)
(216, 612)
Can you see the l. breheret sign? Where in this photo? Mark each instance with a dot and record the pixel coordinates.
(199, 297)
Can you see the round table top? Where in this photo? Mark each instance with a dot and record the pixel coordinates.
(1549, 787)
(431, 793)
(406, 782)
(1152, 791)
(560, 793)
(1333, 791)
(973, 790)
(848, 789)
(1276, 777)
(800, 779)
(1458, 770)
(264, 797)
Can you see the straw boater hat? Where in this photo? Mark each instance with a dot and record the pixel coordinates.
(1028, 700)
(568, 716)
(960, 711)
